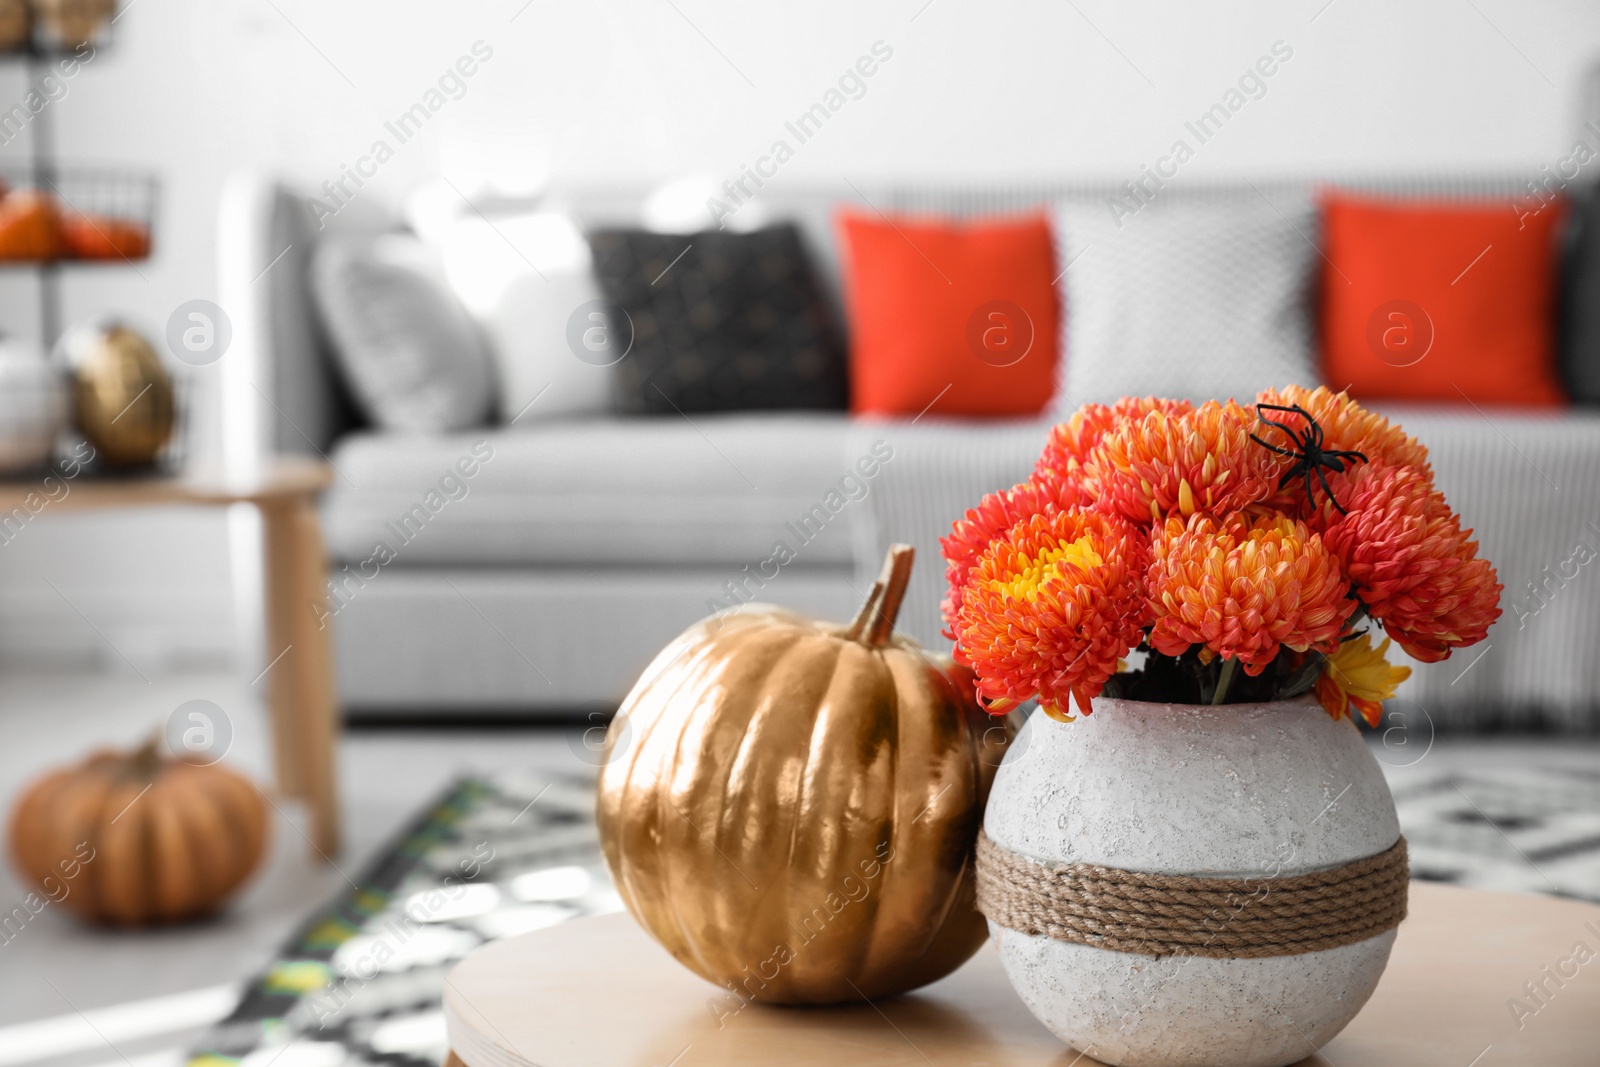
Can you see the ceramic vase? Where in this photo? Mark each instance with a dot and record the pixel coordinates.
(33, 408)
(1240, 790)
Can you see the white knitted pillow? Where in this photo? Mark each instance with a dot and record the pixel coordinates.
(1196, 300)
(409, 352)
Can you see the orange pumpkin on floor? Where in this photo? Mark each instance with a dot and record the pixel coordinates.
(135, 839)
(790, 807)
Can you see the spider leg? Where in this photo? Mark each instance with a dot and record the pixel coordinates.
(1294, 438)
(1291, 431)
(1323, 478)
(1314, 430)
(1274, 448)
(1292, 409)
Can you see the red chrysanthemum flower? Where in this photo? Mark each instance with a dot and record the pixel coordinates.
(1201, 460)
(1050, 607)
(995, 514)
(1244, 589)
(1070, 442)
(1408, 559)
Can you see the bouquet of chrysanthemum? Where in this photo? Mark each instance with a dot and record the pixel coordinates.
(1209, 538)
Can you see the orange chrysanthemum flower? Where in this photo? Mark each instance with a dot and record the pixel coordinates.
(1346, 426)
(1244, 589)
(1070, 442)
(994, 515)
(1050, 607)
(1201, 460)
(1408, 559)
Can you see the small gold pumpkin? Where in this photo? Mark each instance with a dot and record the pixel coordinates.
(135, 838)
(73, 23)
(790, 807)
(16, 24)
(122, 395)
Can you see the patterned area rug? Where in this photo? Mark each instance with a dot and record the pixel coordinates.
(1516, 829)
(360, 983)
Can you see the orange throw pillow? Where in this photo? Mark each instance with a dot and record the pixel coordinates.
(950, 318)
(1440, 301)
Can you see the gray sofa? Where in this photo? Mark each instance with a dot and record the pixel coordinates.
(548, 580)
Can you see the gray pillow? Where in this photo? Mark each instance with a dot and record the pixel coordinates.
(1190, 299)
(407, 349)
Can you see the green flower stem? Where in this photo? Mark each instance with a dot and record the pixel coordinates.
(1224, 679)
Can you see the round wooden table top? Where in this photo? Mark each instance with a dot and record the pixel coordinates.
(599, 992)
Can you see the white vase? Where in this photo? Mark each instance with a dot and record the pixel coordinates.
(33, 408)
(1240, 790)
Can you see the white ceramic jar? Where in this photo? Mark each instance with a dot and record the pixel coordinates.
(1240, 790)
(33, 408)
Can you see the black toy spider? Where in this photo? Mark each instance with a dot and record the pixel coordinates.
(1309, 455)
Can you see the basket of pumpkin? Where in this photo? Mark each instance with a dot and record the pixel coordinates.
(84, 215)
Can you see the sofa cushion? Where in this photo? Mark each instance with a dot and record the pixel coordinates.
(1440, 301)
(720, 322)
(723, 489)
(950, 318)
(406, 347)
(1185, 298)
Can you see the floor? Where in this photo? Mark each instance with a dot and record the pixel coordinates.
(56, 968)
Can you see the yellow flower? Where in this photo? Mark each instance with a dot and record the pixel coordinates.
(1358, 676)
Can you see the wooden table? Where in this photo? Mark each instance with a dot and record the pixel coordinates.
(300, 686)
(599, 993)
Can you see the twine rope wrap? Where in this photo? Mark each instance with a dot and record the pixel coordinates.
(1183, 915)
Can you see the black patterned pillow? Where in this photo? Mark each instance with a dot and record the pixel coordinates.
(720, 322)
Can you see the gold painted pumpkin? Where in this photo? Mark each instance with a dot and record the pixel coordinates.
(121, 393)
(790, 806)
(71, 23)
(135, 838)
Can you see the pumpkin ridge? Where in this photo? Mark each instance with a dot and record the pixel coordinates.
(212, 846)
(172, 870)
(775, 901)
(655, 848)
(150, 890)
(626, 867)
(946, 728)
(91, 799)
(241, 806)
(875, 715)
(965, 886)
(126, 885)
(32, 829)
(877, 936)
(757, 651)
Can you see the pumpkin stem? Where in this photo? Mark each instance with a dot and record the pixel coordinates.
(146, 759)
(875, 621)
(864, 616)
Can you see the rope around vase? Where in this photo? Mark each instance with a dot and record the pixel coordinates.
(1182, 915)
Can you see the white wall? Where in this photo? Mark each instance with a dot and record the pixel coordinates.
(630, 89)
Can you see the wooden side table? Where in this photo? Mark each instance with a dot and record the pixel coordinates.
(599, 993)
(300, 684)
